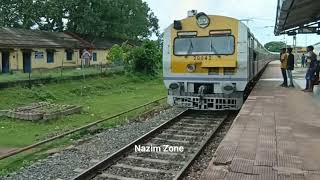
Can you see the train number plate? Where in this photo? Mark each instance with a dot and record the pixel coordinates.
(201, 58)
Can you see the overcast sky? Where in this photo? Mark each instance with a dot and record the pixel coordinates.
(261, 12)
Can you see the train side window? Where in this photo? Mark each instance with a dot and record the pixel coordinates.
(251, 42)
(254, 55)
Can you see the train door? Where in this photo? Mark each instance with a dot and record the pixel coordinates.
(250, 63)
(5, 62)
(26, 55)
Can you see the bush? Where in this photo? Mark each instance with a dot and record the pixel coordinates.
(116, 55)
(41, 94)
(145, 59)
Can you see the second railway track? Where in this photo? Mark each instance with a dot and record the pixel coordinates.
(167, 151)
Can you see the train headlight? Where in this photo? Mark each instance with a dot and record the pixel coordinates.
(203, 20)
(191, 67)
(174, 86)
(227, 88)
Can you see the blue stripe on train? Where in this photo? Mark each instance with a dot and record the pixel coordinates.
(204, 79)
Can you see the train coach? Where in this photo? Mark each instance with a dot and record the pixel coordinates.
(209, 60)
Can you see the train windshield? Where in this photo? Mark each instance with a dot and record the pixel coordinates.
(213, 45)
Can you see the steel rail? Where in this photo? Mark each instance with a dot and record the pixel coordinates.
(98, 168)
(202, 146)
(17, 151)
(104, 164)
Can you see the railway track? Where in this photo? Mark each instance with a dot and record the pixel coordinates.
(164, 153)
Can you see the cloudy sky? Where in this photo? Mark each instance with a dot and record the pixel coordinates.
(260, 12)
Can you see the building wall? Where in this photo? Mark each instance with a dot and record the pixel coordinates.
(60, 59)
(101, 56)
(16, 59)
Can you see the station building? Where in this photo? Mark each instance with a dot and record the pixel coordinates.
(25, 50)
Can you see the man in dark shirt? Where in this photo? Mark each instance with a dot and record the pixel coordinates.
(316, 82)
(290, 66)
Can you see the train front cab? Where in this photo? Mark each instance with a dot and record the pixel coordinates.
(206, 68)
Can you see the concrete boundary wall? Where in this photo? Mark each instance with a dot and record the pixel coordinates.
(39, 111)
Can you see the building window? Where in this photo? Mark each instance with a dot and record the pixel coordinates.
(69, 54)
(94, 56)
(50, 56)
(38, 55)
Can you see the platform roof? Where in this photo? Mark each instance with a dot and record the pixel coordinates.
(295, 14)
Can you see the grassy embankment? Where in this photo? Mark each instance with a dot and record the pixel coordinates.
(56, 73)
(99, 96)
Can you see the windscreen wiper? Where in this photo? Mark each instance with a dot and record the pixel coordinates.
(212, 49)
(190, 47)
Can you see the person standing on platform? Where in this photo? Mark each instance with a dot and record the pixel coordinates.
(290, 66)
(303, 60)
(316, 81)
(284, 63)
(312, 66)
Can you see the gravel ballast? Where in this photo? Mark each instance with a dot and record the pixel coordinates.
(195, 171)
(72, 161)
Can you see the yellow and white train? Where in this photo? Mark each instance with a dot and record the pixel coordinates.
(208, 61)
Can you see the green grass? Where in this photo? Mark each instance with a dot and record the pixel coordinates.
(99, 96)
(55, 73)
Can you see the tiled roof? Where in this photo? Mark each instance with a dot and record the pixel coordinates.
(13, 38)
(107, 43)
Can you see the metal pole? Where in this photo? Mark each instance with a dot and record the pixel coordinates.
(61, 69)
(101, 68)
(82, 84)
(29, 79)
(285, 40)
(295, 50)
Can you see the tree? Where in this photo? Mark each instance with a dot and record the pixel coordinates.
(51, 14)
(125, 19)
(275, 46)
(160, 40)
(144, 59)
(121, 19)
(17, 13)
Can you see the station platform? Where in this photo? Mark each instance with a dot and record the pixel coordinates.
(276, 135)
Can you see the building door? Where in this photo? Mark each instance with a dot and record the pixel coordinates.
(50, 56)
(5, 62)
(27, 61)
